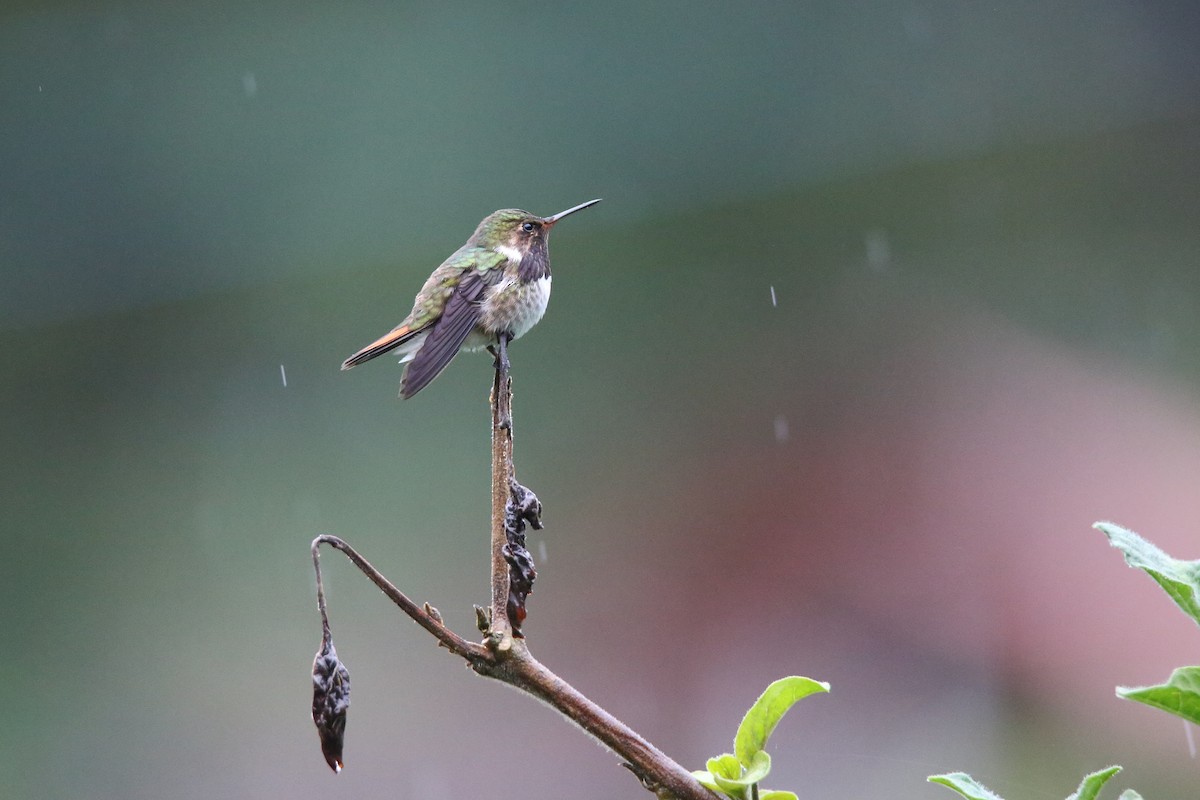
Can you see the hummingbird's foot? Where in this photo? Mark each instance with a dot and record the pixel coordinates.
(499, 352)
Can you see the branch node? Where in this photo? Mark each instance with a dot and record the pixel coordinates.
(500, 642)
(649, 784)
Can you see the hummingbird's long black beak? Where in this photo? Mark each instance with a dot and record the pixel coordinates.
(580, 207)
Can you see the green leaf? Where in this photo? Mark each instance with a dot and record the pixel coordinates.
(777, 795)
(706, 779)
(1180, 695)
(965, 785)
(766, 712)
(710, 782)
(1092, 784)
(1129, 794)
(759, 768)
(725, 766)
(1179, 579)
(972, 789)
(735, 789)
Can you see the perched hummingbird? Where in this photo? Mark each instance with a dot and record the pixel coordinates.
(492, 290)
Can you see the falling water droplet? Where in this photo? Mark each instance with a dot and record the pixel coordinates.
(879, 249)
(781, 429)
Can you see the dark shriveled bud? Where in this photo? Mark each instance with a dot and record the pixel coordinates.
(331, 700)
(522, 508)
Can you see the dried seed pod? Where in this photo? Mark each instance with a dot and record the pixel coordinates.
(523, 508)
(331, 701)
(521, 573)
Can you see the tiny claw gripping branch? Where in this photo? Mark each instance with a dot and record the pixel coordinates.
(522, 508)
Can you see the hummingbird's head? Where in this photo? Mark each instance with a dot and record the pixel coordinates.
(520, 230)
(511, 228)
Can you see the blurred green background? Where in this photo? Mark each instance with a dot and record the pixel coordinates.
(886, 303)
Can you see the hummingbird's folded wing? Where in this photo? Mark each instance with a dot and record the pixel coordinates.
(447, 335)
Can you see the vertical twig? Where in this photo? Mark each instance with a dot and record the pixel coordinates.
(502, 475)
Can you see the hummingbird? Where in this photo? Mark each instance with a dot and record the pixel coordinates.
(492, 290)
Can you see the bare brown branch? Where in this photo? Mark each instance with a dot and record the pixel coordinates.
(507, 658)
(656, 770)
(451, 640)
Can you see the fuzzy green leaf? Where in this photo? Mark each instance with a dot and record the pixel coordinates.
(740, 786)
(721, 785)
(705, 778)
(758, 768)
(1092, 784)
(777, 795)
(965, 785)
(735, 789)
(766, 712)
(725, 765)
(1179, 579)
(1180, 695)
(1129, 794)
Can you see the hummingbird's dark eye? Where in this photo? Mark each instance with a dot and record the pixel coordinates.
(527, 227)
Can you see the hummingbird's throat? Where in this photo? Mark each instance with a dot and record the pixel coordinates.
(509, 252)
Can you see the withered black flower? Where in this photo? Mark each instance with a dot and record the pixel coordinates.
(331, 701)
(523, 508)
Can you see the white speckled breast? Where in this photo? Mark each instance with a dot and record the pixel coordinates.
(514, 306)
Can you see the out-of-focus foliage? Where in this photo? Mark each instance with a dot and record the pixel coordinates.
(1180, 695)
